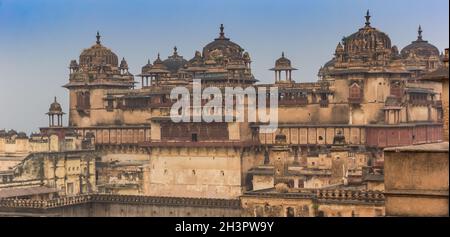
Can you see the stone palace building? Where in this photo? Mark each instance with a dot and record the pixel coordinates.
(122, 152)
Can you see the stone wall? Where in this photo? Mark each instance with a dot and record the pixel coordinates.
(417, 181)
(197, 172)
(98, 205)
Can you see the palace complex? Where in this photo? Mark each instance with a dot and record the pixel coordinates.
(122, 152)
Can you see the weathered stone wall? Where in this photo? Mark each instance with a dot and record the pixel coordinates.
(350, 210)
(312, 135)
(416, 183)
(345, 203)
(142, 210)
(122, 206)
(197, 172)
(276, 207)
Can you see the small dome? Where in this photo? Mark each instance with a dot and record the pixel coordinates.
(175, 62)
(3, 133)
(146, 67)
(73, 64)
(283, 63)
(339, 48)
(98, 54)
(55, 108)
(157, 67)
(222, 47)
(11, 133)
(22, 135)
(197, 60)
(123, 64)
(420, 47)
(246, 57)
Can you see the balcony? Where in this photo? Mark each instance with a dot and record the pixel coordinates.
(324, 103)
(416, 102)
(396, 92)
(296, 102)
(354, 100)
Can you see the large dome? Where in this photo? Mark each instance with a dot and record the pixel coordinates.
(366, 40)
(175, 62)
(222, 47)
(420, 48)
(98, 54)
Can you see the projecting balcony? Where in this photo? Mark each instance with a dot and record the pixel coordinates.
(396, 92)
(324, 103)
(420, 102)
(354, 100)
(296, 102)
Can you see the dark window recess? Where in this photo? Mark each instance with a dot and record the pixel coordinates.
(194, 137)
(83, 100)
(290, 212)
(110, 105)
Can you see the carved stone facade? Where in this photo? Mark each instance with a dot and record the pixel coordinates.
(368, 97)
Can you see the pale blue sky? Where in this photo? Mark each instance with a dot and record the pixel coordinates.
(38, 38)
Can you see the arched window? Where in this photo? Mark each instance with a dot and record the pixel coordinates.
(290, 212)
(355, 91)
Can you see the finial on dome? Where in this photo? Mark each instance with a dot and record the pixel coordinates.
(419, 36)
(55, 99)
(175, 50)
(367, 18)
(282, 54)
(158, 56)
(98, 37)
(222, 34)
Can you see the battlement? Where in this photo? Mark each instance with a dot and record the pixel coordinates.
(323, 195)
(122, 199)
(342, 195)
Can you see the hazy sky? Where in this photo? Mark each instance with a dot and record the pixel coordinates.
(38, 38)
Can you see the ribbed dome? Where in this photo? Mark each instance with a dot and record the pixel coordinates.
(222, 47)
(420, 48)
(98, 54)
(330, 63)
(175, 62)
(365, 40)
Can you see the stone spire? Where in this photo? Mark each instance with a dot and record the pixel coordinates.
(222, 34)
(367, 18)
(419, 33)
(98, 37)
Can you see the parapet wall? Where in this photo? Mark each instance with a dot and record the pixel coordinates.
(122, 205)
